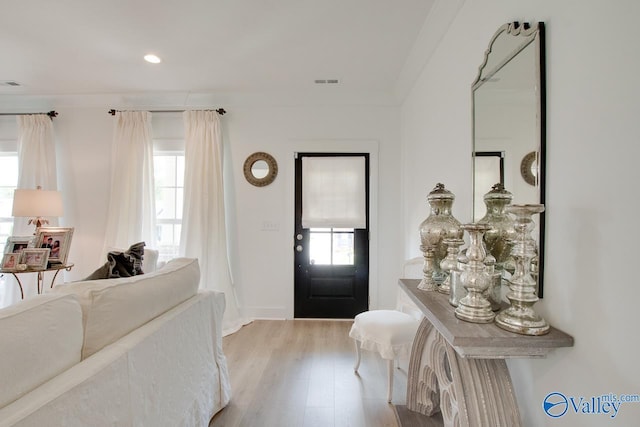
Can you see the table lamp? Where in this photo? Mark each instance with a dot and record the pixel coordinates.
(37, 204)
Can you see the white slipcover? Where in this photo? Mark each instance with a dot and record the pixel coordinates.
(169, 372)
(388, 332)
(112, 308)
(39, 338)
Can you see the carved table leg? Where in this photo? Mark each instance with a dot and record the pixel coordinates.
(467, 392)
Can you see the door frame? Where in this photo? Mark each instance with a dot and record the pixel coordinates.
(335, 146)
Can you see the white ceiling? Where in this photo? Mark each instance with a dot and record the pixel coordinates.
(82, 47)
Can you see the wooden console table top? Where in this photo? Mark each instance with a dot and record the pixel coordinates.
(473, 340)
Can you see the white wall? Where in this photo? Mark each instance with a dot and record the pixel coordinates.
(263, 267)
(591, 293)
(262, 261)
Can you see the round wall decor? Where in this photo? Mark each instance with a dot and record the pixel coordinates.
(529, 168)
(260, 169)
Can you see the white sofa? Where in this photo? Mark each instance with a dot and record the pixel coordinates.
(138, 351)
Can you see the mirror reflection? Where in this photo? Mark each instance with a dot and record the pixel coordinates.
(259, 169)
(508, 121)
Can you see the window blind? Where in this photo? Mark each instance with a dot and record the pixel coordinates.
(333, 192)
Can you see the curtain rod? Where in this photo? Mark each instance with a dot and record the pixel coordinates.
(51, 114)
(220, 111)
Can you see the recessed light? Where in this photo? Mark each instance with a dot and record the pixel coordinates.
(152, 58)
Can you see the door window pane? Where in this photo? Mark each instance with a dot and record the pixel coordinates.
(343, 248)
(329, 246)
(320, 248)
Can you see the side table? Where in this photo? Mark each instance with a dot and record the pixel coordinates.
(56, 268)
(457, 371)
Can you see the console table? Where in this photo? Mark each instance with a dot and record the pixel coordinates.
(40, 278)
(457, 371)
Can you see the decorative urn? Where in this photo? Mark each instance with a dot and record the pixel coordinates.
(439, 225)
(499, 239)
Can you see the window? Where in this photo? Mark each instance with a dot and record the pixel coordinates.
(331, 246)
(169, 185)
(8, 183)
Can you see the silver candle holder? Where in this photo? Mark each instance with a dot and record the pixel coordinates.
(428, 283)
(475, 307)
(457, 291)
(520, 316)
(494, 291)
(449, 263)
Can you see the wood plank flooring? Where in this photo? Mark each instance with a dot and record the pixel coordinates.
(299, 373)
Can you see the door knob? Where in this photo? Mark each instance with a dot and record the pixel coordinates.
(299, 248)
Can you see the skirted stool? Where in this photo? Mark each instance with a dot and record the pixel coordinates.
(388, 332)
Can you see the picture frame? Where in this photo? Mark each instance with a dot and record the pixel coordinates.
(57, 239)
(35, 258)
(10, 261)
(15, 244)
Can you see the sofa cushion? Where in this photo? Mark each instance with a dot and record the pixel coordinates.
(150, 260)
(39, 338)
(112, 308)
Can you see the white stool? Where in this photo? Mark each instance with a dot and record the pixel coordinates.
(389, 332)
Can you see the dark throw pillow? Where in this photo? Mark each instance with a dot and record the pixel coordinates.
(121, 264)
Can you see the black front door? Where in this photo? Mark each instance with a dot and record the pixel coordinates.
(331, 263)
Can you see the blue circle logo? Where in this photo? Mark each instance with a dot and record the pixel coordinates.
(555, 404)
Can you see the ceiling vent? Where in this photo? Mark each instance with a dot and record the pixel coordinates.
(9, 83)
(326, 81)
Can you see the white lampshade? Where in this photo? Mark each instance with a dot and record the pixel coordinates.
(37, 203)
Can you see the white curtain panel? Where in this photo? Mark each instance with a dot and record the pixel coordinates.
(203, 234)
(333, 192)
(36, 167)
(132, 210)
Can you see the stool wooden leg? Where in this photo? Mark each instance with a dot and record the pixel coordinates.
(357, 365)
(390, 364)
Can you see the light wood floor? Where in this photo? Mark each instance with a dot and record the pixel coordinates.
(299, 373)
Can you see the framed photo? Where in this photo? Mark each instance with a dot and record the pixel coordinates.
(10, 261)
(35, 258)
(15, 244)
(57, 240)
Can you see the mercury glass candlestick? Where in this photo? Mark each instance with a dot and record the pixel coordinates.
(475, 307)
(494, 291)
(520, 316)
(427, 283)
(457, 291)
(450, 263)
(439, 225)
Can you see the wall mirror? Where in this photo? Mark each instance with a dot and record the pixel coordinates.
(260, 169)
(509, 122)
